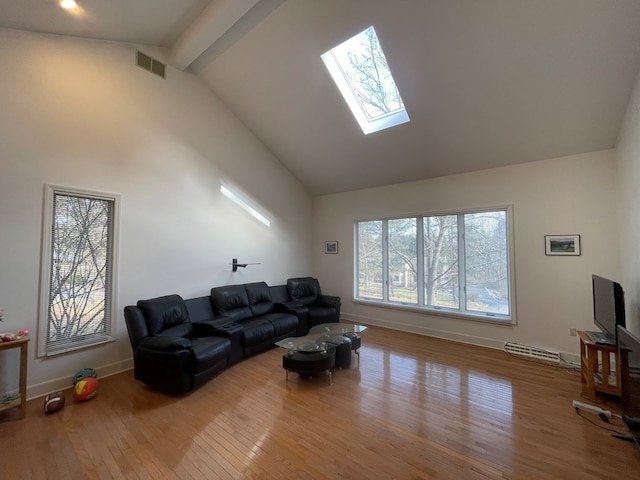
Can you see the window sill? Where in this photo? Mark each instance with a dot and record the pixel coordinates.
(78, 345)
(440, 312)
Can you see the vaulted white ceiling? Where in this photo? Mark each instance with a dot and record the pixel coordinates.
(486, 83)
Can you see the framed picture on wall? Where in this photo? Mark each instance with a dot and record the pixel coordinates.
(562, 244)
(331, 247)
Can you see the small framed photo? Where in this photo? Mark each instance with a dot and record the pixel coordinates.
(562, 244)
(331, 247)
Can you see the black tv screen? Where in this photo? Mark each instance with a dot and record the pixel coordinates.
(629, 355)
(608, 304)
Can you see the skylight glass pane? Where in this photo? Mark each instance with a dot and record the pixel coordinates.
(361, 72)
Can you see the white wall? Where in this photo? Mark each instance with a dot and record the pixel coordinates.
(571, 195)
(628, 155)
(81, 114)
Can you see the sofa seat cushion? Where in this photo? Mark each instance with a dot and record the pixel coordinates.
(208, 351)
(282, 322)
(256, 331)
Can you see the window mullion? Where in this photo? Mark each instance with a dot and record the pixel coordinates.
(357, 266)
(420, 260)
(462, 272)
(385, 260)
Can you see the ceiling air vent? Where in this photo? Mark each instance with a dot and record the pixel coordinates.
(150, 64)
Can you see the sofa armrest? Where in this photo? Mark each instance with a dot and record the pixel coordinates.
(165, 344)
(210, 328)
(329, 300)
(222, 319)
(299, 310)
(230, 330)
(136, 325)
(293, 306)
(206, 328)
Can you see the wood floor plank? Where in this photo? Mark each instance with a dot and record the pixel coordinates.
(415, 408)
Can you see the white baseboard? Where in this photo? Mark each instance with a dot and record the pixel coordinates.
(40, 389)
(423, 330)
(446, 335)
(567, 357)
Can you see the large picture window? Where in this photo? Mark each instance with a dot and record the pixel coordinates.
(78, 270)
(457, 263)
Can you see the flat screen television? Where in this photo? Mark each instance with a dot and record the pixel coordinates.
(608, 305)
(629, 355)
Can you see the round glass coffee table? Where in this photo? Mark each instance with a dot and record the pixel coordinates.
(326, 346)
(348, 330)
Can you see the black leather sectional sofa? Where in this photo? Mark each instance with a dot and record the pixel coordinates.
(179, 344)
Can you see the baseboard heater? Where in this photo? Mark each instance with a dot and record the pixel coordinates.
(532, 352)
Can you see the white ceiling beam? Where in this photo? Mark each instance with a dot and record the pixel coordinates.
(212, 23)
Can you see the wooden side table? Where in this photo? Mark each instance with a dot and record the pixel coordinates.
(21, 402)
(596, 373)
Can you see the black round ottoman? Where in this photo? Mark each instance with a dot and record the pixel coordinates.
(343, 350)
(307, 364)
(356, 341)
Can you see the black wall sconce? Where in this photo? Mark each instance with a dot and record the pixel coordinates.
(236, 265)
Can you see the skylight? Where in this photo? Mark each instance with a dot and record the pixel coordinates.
(360, 70)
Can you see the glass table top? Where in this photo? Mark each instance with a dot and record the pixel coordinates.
(334, 328)
(319, 335)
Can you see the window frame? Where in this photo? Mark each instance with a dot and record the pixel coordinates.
(45, 348)
(420, 307)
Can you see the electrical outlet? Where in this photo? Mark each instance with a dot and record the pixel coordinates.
(573, 331)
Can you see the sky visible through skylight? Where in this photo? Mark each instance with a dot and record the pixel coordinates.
(361, 72)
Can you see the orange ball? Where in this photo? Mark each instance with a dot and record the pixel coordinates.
(85, 389)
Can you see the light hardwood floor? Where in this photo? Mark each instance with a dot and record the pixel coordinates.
(416, 408)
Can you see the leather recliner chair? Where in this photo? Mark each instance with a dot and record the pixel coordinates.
(170, 353)
(321, 308)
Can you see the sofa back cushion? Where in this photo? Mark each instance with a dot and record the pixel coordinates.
(259, 298)
(165, 312)
(304, 289)
(231, 301)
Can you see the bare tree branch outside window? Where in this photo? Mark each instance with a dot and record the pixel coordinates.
(370, 259)
(80, 282)
(463, 262)
(363, 76)
(371, 76)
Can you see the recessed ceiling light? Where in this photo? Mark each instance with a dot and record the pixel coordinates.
(68, 4)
